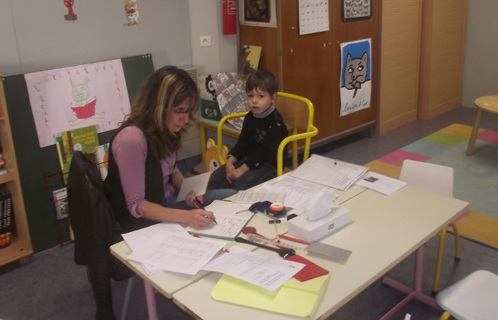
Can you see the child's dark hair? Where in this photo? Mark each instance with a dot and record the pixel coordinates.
(263, 80)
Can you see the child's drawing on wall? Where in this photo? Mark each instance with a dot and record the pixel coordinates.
(78, 96)
(355, 76)
(83, 109)
(131, 12)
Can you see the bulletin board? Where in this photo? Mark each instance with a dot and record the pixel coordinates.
(33, 162)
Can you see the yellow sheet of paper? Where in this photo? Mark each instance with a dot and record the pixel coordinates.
(293, 297)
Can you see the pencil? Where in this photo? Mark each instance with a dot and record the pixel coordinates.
(202, 207)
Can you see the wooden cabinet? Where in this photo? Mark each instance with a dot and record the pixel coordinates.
(310, 65)
(20, 246)
(421, 66)
(441, 57)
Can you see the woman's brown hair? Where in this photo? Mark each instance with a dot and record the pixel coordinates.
(153, 104)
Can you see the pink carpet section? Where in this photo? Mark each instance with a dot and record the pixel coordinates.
(397, 157)
(489, 136)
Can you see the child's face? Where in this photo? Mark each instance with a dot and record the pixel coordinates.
(260, 101)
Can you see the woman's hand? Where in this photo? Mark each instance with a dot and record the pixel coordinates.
(198, 218)
(189, 199)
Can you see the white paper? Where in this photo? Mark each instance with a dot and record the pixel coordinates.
(177, 252)
(197, 183)
(298, 192)
(265, 272)
(229, 223)
(380, 183)
(138, 240)
(253, 197)
(329, 172)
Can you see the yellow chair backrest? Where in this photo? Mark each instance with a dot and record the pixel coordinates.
(298, 115)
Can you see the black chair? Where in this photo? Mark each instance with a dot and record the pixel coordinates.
(95, 230)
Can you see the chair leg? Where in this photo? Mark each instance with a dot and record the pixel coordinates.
(439, 261)
(445, 316)
(457, 242)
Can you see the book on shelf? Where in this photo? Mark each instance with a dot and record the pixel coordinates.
(102, 159)
(3, 169)
(82, 139)
(60, 203)
(6, 216)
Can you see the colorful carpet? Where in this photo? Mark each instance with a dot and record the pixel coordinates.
(475, 180)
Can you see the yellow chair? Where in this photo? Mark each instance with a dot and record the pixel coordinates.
(439, 179)
(298, 115)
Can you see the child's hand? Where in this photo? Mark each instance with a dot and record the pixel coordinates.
(237, 173)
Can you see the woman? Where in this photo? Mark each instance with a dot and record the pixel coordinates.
(143, 177)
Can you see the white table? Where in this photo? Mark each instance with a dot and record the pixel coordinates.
(168, 283)
(385, 230)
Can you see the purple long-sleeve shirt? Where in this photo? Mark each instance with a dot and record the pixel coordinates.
(129, 148)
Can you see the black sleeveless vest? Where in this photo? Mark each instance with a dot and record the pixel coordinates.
(154, 189)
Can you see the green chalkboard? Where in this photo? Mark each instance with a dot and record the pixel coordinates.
(34, 162)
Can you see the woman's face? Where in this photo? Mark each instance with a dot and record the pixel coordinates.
(179, 116)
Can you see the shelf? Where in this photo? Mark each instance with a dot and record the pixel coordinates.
(18, 250)
(7, 178)
(20, 242)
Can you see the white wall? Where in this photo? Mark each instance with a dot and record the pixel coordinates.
(207, 20)
(35, 36)
(480, 72)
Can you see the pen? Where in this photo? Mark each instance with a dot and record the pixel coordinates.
(202, 207)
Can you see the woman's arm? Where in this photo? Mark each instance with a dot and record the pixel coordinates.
(176, 180)
(195, 218)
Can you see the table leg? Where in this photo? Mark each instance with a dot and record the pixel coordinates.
(150, 296)
(412, 293)
(475, 129)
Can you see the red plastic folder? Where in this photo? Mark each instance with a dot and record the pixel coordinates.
(310, 271)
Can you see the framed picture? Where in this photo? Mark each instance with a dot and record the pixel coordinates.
(356, 9)
(258, 13)
(257, 10)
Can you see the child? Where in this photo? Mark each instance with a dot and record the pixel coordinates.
(253, 160)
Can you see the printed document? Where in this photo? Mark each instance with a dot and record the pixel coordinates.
(177, 252)
(138, 240)
(298, 192)
(380, 183)
(329, 172)
(265, 272)
(254, 196)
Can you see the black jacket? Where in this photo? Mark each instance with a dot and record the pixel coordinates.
(95, 230)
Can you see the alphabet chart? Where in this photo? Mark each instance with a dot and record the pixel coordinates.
(313, 16)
